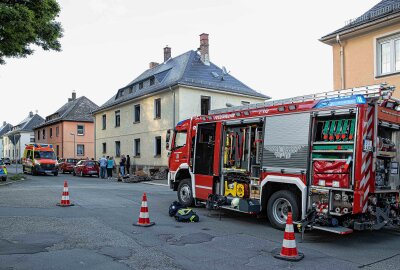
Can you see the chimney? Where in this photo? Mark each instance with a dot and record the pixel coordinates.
(30, 114)
(153, 64)
(167, 53)
(73, 97)
(4, 123)
(204, 53)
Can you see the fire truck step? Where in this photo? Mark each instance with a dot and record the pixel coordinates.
(338, 230)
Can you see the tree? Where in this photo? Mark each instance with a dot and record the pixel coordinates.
(24, 23)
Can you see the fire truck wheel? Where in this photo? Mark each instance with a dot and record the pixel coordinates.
(185, 194)
(277, 208)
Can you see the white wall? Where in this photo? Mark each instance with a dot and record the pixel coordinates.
(189, 101)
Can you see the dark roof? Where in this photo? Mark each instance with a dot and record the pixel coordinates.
(4, 129)
(27, 124)
(185, 69)
(383, 9)
(78, 110)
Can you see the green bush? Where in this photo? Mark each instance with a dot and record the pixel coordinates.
(16, 177)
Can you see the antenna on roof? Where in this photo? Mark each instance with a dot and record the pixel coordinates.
(224, 71)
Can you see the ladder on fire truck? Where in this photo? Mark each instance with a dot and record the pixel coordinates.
(377, 91)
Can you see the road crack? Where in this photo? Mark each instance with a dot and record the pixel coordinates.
(378, 261)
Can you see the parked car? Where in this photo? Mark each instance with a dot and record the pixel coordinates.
(87, 167)
(67, 165)
(7, 161)
(3, 171)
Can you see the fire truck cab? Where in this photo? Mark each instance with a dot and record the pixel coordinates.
(39, 159)
(332, 159)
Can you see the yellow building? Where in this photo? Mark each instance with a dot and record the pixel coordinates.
(366, 50)
(135, 120)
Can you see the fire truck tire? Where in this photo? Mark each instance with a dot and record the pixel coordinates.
(185, 194)
(277, 208)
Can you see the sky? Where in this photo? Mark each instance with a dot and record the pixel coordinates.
(272, 46)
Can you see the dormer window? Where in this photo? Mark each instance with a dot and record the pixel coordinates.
(152, 81)
(130, 89)
(141, 85)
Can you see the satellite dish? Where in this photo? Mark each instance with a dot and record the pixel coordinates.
(215, 74)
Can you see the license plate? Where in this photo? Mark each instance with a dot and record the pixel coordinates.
(92, 171)
(47, 171)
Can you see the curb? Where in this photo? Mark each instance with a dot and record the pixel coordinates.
(9, 182)
(155, 184)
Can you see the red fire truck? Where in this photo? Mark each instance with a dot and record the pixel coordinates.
(332, 158)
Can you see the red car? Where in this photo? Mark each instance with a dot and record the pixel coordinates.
(87, 167)
(67, 165)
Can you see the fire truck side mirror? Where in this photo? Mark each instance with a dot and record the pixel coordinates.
(167, 139)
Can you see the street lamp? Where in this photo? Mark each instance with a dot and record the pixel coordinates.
(73, 134)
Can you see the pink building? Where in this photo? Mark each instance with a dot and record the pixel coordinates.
(70, 129)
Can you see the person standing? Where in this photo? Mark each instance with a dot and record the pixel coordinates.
(110, 167)
(128, 164)
(103, 167)
(122, 165)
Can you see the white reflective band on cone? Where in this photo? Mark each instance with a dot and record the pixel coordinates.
(144, 204)
(65, 189)
(144, 215)
(289, 243)
(289, 228)
(64, 198)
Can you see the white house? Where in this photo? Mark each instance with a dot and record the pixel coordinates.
(23, 134)
(135, 120)
(3, 130)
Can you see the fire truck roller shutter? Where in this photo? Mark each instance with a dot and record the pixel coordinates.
(286, 142)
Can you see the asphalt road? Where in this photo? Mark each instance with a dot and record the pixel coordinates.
(97, 233)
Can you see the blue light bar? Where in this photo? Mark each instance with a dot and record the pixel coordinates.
(340, 101)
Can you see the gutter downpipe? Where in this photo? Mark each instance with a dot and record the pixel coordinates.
(173, 107)
(341, 62)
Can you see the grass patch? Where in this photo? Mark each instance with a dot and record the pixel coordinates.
(17, 177)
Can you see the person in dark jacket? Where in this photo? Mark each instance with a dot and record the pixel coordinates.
(128, 164)
(122, 165)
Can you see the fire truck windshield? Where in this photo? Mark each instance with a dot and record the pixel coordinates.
(44, 155)
(180, 139)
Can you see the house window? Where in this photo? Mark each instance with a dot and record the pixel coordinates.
(141, 85)
(117, 148)
(245, 102)
(51, 132)
(157, 108)
(137, 147)
(80, 130)
(38, 134)
(44, 134)
(157, 146)
(80, 149)
(388, 55)
(104, 147)
(117, 118)
(57, 150)
(57, 131)
(32, 139)
(137, 113)
(104, 118)
(152, 81)
(130, 89)
(205, 105)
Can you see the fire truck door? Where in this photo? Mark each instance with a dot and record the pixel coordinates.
(204, 159)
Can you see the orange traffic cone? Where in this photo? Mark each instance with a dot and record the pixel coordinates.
(289, 250)
(65, 196)
(144, 218)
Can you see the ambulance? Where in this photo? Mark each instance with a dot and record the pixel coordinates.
(39, 159)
